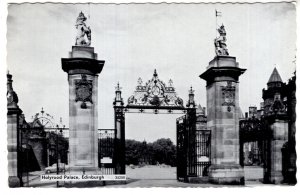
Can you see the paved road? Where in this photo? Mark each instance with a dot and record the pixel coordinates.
(151, 172)
(253, 173)
(155, 176)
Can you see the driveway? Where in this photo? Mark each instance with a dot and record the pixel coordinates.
(156, 176)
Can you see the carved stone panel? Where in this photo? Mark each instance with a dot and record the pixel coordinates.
(83, 91)
(228, 94)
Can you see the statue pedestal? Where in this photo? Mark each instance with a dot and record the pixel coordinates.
(83, 68)
(223, 119)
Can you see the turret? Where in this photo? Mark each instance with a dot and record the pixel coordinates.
(274, 95)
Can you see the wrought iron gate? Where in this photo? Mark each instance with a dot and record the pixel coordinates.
(193, 156)
(253, 135)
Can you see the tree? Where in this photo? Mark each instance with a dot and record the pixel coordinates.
(161, 151)
(134, 150)
(164, 151)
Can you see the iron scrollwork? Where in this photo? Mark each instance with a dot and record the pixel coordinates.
(83, 91)
(119, 113)
(228, 94)
(155, 93)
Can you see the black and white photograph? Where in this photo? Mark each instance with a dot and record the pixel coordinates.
(142, 95)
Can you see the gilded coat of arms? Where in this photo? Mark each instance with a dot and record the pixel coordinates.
(83, 91)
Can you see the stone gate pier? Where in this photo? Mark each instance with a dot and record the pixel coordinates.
(277, 126)
(83, 68)
(223, 111)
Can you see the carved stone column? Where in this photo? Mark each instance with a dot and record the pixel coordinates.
(222, 91)
(276, 124)
(278, 128)
(13, 136)
(83, 68)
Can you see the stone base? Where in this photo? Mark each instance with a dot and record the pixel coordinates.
(290, 177)
(14, 182)
(82, 52)
(201, 180)
(274, 178)
(226, 174)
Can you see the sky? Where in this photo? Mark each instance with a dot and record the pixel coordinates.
(135, 39)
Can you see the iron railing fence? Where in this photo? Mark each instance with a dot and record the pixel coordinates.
(203, 152)
(106, 144)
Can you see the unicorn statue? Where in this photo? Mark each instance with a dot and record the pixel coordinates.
(83, 37)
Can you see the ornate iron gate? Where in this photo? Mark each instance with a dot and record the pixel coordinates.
(193, 150)
(156, 97)
(106, 146)
(253, 135)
